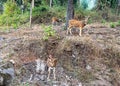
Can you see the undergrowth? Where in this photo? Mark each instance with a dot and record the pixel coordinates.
(114, 24)
(13, 16)
(48, 32)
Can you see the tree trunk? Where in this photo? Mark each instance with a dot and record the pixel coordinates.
(118, 2)
(33, 3)
(50, 3)
(118, 8)
(70, 12)
(31, 15)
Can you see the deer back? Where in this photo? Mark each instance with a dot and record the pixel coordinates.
(76, 23)
(54, 19)
(51, 62)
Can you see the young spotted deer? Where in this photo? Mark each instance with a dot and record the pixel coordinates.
(51, 63)
(55, 20)
(77, 24)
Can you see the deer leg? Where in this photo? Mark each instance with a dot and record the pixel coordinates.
(38, 65)
(49, 71)
(54, 73)
(70, 30)
(55, 23)
(80, 32)
(67, 30)
(52, 24)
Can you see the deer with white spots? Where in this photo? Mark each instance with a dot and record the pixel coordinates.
(77, 24)
(51, 63)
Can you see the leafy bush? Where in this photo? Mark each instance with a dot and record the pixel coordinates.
(59, 11)
(41, 10)
(103, 21)
(11, 15)
(11, 8)
(48, 32)
(118, 23)
(112, 25)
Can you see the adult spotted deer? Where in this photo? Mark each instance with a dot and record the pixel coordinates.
(77, 24)
(51, 63)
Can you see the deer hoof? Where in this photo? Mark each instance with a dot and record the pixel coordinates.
(48, 79)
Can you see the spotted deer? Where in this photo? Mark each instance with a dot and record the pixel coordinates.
(77, 24)
(51, 63)
(55, 20)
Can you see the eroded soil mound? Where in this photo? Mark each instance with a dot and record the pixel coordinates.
(92, 59)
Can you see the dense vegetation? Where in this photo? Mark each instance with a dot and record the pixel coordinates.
(16, 12)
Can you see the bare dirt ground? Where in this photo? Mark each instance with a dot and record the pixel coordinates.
(91, 60)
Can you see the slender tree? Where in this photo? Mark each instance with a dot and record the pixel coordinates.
(70, 12)
(31, 14)
(118, 7)
(50, 3)
(33, 3)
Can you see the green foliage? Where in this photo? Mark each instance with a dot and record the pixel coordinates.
(60, 2)
(107, 3)
(25, 84)
(48, 32)
(84, 4)
(11, 8)
(80, 13)
(103, 21)
(15, 25)
(119, 23)
(112, 25)
(59, 11)
(42, 13)
(11, 15)
(41, 10)
(14, 21)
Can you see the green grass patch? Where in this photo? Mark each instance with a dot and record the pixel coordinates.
(48, 32)
(114, 24)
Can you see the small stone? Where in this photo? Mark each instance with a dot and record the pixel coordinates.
(79, 84)
(88, 67)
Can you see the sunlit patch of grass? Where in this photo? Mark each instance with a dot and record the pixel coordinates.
(114, 24)
(4, 28)
(48, 32)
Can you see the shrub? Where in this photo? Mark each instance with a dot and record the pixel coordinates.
(11, 15)
(41, 10)
(112, 25)
(11, 8)
(48, 32)
(118, 23)
(59, 11)
(103, 21)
